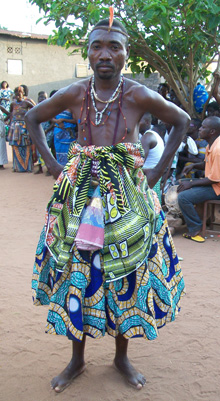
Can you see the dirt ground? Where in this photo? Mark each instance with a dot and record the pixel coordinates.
(183, 364)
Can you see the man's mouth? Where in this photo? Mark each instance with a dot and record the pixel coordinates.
(104, 67)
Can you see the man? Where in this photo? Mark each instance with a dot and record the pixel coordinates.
(213, 109)
(201, 190)
(91, 292)
(153, 146)
(194, 150)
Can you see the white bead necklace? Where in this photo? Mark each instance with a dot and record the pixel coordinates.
(99, 114)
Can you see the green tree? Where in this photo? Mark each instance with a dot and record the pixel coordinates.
(179, 39)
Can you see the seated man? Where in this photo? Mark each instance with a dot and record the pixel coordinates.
(201, 190)
(194, 150)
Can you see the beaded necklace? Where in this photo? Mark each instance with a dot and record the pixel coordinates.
(87, 120)
(113, 96)
(99, 114)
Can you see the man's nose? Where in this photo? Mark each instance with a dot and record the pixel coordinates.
(105, 54)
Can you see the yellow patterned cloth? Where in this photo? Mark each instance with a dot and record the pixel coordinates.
(129, 213)
(81, 302)
(81, 299)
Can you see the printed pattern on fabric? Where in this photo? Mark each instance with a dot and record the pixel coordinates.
(81, 302)
(21, 143)
(64, 136)
(129, 208)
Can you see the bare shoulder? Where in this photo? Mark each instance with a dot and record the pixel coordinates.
(139, 93)
(73, 91)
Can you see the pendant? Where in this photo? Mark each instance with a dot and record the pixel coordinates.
(98, 117)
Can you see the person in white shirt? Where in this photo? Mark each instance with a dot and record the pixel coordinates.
(153, 146)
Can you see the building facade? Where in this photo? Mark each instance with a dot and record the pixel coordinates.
(28, 59)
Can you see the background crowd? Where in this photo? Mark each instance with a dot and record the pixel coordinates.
(61, 131)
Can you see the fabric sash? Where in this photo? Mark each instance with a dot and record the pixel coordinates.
(129, 214)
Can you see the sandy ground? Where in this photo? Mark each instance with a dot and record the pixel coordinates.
(183, 364)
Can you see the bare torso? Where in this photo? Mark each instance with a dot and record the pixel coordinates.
(103, 134)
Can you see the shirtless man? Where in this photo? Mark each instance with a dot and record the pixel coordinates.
(108, 109)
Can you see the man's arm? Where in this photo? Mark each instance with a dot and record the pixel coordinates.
(148, 142)
(45, 111)
(3, 109)
(204, 182)
(170, 114)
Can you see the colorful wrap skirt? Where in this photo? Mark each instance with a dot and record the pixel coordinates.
(20, 141)
(132, 285)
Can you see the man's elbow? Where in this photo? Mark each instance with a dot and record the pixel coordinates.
(184, 122)
(186, 119)
(31, 117)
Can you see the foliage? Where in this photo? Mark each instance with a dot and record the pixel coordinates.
(177, 38)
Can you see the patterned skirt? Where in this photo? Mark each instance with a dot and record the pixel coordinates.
(22, 158)
(133, 284)
(82, 302)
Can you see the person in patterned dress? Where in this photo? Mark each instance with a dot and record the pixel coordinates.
(18, 136)
(105, 261)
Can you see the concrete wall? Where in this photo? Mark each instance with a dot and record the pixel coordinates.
(44, 67)
(47, 67)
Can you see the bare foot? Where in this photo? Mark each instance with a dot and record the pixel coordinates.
(65, 378)
(134, 378)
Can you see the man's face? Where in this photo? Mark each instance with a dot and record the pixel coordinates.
(144, 125)
(41, 98)
(162, 90)
(204, 130)
(192, 130)
(107, 53)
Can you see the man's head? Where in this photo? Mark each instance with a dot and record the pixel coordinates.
(108, 48)
(210, 129)
(213, 109)
(163, 89)
(145, 123)
(193, 129)
(42, 96)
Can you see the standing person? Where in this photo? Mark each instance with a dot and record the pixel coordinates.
(5, 95)
(5, 100)
(203, 189)
(48, 128)
(26, 92)
(133, 284)
(18, 135)
(3, 149)
(64, 135)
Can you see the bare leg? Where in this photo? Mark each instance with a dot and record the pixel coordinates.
(122, 363)
(73, 369)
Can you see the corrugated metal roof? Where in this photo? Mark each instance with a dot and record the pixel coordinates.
(23, 35)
